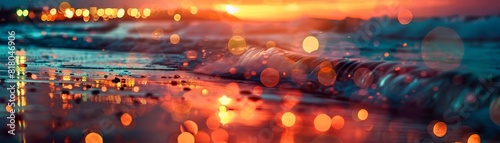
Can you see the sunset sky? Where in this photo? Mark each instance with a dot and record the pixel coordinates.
(290, 9)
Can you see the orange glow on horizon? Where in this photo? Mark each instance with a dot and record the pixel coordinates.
(271, 10)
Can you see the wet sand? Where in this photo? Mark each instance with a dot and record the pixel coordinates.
(64, 100)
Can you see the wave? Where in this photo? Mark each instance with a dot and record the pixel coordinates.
(405, 89)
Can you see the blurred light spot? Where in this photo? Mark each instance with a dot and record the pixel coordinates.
(322, 122)
(386, 54)
(310, 44)
(25, 12)
(257, 90)
(133, 12)
(270, 44)
(337, 122)
(474, 138)
(126, 119)
(232, 70)
(363, 77)
(8, 108)
(63, 6)
(269, 77)
(193, 10)
(439, 129)
(177, 17)
(108, 11)
(136, 89)
(204, 92)
(495, 111)
(100, 12)
(85, 12)
(219, 135)
(185, 137)
(68, 13)
(327, 76)
(157, 34)
(362, 114)
(19, 12)
(93, 138)
(146, 12)
(53, 11)
(191, 55)
(237, 45)
(288, 119)
(202, 137)
(405, 16)
(78, 12)
(120, 13)
(442, 49)
(213, 123)
(43, 17)
(231, 9)
(224, 100)
(189, 126)
(175, 39)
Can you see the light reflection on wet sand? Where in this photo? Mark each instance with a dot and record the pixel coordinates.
(100, 105)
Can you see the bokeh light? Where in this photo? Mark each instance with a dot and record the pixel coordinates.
(68, 13)
(53, 11)
(177, 17)
(338, 122)
(322, 122)
(85, 12)
(133, 12)
(362, 114)
(224, 100)
(219, 135)
(93, 137)
(8, 108)
(146, 12)
(175, 39)
(202, 137)
(189, 126)
(78, 12)
(326, 75)
(157, 34)
(288, 119)
(212, 122)
(120, 13)
(257, 90)
(363, 77)
(270, 44)
(126, 119)
(237, 45)
(439, 129)
(269, 77)
(193, 10)
(474, 138)
(19, 12)
(191, 55)
(25, 12)
(63, 6)
(310, 44)
(185, 137)
(100, 12)
(405, 16)
(442, 49)
(495, 111)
